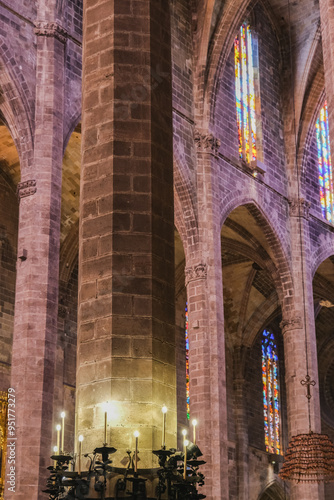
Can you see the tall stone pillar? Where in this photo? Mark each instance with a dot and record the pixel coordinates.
(241, 423)
(206, 328)
(299, 335)
(126, 346)
(36, 304)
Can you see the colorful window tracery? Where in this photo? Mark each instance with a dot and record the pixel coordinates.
(245, 93)
(271, 393)
(325, 165)
(187, 362)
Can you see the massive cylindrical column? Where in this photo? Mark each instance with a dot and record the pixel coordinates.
(36, 305)
(126, 346)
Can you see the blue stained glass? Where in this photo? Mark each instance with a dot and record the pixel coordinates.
(245, 93)
(324, 164)
(271, 393)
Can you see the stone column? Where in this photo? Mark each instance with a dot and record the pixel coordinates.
(241, 424)
(298, 332)
(36, 305)
(206, 327)
(126, 344)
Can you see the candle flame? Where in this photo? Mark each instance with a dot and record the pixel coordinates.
(136, 434)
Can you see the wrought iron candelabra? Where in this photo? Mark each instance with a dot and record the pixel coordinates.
(176, 480)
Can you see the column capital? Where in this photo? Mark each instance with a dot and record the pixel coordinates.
(294, 323)
(52, 29)
(206, 142)
(299, 208)
(26, 188)
(196, 272)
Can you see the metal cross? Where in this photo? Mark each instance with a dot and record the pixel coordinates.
(308, 382)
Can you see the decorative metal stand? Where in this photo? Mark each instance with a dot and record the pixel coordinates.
(175, 481)
(172, 479)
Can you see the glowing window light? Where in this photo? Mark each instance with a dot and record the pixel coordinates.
(271, 393)
(325, 165)
(245, 93)
(187, 362)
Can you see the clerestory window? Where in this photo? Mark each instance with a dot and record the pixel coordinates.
(245, 94)
(325, 165)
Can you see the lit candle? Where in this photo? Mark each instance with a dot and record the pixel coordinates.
(105, 426)
(58, 427)
(55, 451)
(62, 430)
(80, 452)
(108, 413)
(194, 422)
(164, 414)
(185, 444)
(136, 435)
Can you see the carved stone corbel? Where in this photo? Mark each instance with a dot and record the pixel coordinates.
(291, 324)
(197, 272)
(26, 188)
(299, 208)
(206, 143)
(51, 29)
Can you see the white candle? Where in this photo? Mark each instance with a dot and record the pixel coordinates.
(194, 422)
(105, 426)
(58, 427)
(80, 452)
(55, 451)
(184, 433)
(164, 414)
(62, 430)
(136, 435)
(185, 444)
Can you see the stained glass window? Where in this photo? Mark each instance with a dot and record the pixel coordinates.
(271, 393)
(245, 93)
(325, 165)
(187, 362)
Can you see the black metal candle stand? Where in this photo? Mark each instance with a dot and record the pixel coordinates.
(174, 481)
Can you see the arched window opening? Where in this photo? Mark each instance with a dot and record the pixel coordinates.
(325, 164)
(187, 362)
(271, 393)
(245, 93)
